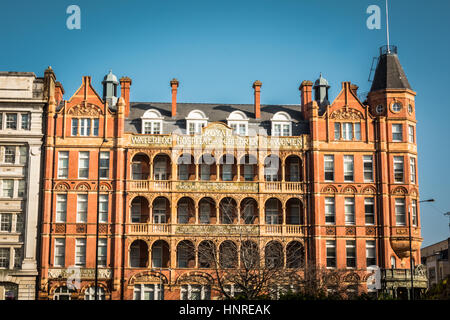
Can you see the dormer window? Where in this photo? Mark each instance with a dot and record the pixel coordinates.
(195, 121)
(238, 121)
(281, 124)
(152, 122)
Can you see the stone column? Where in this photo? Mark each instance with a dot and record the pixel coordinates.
(31, 221)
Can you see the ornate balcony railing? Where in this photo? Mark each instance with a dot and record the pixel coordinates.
(214, 229)
(215, 186)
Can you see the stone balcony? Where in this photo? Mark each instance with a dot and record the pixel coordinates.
(214, 186)
(215, 229)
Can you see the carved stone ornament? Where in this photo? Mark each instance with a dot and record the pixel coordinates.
(85, 110)
(83, 187)
(329, 189)
(350, 114)
(62, 186)
(369, 190)
(400, 191)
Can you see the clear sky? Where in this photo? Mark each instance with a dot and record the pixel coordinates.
(216, 49)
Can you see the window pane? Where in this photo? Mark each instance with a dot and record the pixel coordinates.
(83, 164)
(82, 208)
(63, 164)
(10, 154)
(96, 124)
(74, 127)
(329, 211)
(103, 208)
(368, 168)
(104, 165)
(348, 168)
(397, 132)
(329, 168)
(337, 131)
(61, 207)
(398, 169)
(357, 131)
(349, 211)
(11, 121)
(369, 207)
(8, 188)
(400, 212)
(25, 125)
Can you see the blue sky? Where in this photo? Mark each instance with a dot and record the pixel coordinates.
(218, 48)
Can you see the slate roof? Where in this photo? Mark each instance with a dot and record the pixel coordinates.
(214, 112)
(389, 74)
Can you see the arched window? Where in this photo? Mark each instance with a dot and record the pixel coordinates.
(238, 121)
(195, 121)
(281, 124)
(152, 122)
(89, 294)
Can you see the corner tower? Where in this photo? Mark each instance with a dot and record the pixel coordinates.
(392, 102)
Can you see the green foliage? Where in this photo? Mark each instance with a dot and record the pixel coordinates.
(440, 291)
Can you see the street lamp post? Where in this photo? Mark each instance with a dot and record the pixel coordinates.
(411, 266)
(448, 214)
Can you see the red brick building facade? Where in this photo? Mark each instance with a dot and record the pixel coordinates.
(148, 183)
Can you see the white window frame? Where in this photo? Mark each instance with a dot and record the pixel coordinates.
(397, 132)
(104, 159)
(238, 121)
(8, 192)
(103, 208)
(89, 293)
(371, 252)
(80, 252)
(5, 258)
(59, 252)
(368, 159)
(150, 121)
(330, 210)
(349, 206)
(102, 256)
(412, 170)
(82, 200)
(349, 167)
(400, 212)
(414, 215)
(327, 159)
(369, 201)
(186, 291)
(61, 208)
(330, 246)
(195, 121)
(63, 164)
(411, 137)
(399, 168)
(83, 171)
(6, 222)
(281, 124)
(350, 245)
(140, 290)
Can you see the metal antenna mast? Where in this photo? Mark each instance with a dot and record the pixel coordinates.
(387, 26)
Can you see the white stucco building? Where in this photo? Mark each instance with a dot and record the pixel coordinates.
(21, 110)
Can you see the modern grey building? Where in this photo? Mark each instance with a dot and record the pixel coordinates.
(21, 132)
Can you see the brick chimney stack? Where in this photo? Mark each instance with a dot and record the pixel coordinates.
(174, 84)
(125, 84)
(257, 87)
